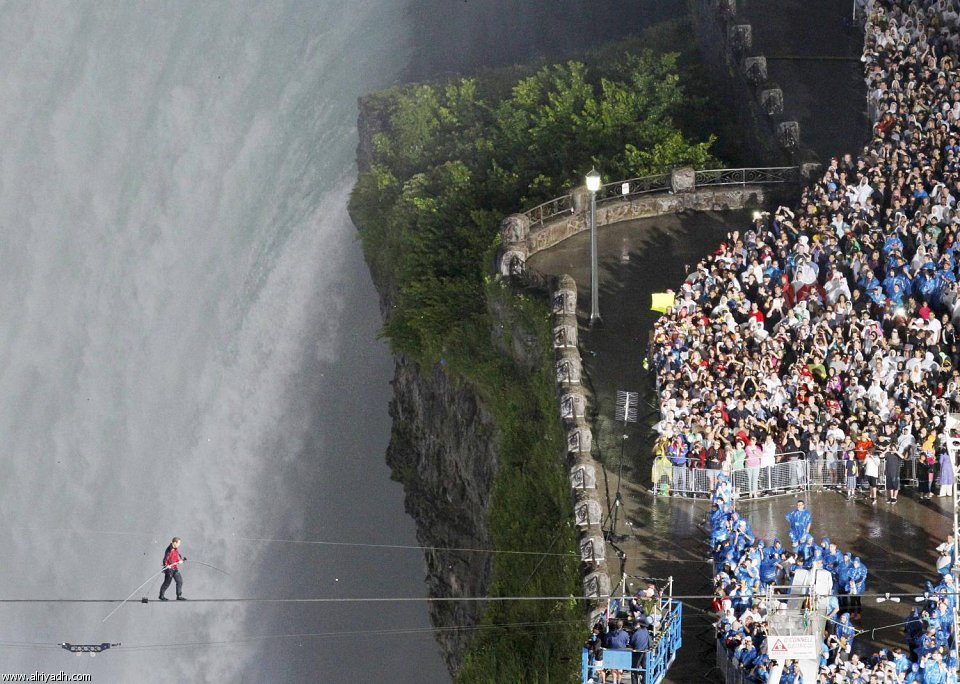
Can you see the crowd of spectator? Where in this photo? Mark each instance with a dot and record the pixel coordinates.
(745, 567)
(831, 330)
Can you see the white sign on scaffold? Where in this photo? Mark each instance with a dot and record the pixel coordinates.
(800, 647)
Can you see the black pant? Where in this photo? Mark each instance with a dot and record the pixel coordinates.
(854, 604)
(172, 575)
(637, 677)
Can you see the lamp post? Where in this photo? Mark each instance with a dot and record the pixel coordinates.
(593, 184)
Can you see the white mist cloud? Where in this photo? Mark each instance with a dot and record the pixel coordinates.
(174, 251)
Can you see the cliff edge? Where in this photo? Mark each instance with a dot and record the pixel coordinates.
(442, 451)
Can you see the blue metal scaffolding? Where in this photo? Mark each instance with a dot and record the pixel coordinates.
(652, 664)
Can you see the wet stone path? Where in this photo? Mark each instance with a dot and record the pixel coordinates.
(663, 537)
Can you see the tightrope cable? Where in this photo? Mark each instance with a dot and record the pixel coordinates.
(459, 549)
(353, 599)
(438, 599)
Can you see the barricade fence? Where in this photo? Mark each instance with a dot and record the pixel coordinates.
(793, 472)
(829, 472)
(730, 670)
(787, 475)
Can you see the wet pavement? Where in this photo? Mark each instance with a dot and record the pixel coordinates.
(895, 541)
(636, 259)
(663, 537)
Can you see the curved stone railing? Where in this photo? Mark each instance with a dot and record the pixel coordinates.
(632, 188)
(560, 206)
(525, 234)
(758, 176)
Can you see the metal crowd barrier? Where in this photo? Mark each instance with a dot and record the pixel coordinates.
(789, 475)
(786, 476)
(730, 670)
(792, 474)
(908, 473)
(830, 473)
(670, 639)
(826, 474)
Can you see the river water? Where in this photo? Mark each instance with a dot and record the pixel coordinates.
(188, 341)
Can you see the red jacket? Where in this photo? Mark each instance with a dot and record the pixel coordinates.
(171, 557)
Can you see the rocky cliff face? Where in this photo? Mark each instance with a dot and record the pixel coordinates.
(442, 451)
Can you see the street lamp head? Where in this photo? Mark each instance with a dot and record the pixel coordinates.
(593, 180)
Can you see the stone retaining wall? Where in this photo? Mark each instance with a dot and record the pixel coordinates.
(588, 511)
(727, 42)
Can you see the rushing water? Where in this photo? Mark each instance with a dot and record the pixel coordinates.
(188, 329)
(188, 341)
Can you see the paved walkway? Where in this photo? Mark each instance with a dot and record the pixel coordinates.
(662, 537)
(636, 259)
(896, 543)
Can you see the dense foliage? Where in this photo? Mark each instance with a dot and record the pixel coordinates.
(448, 161)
